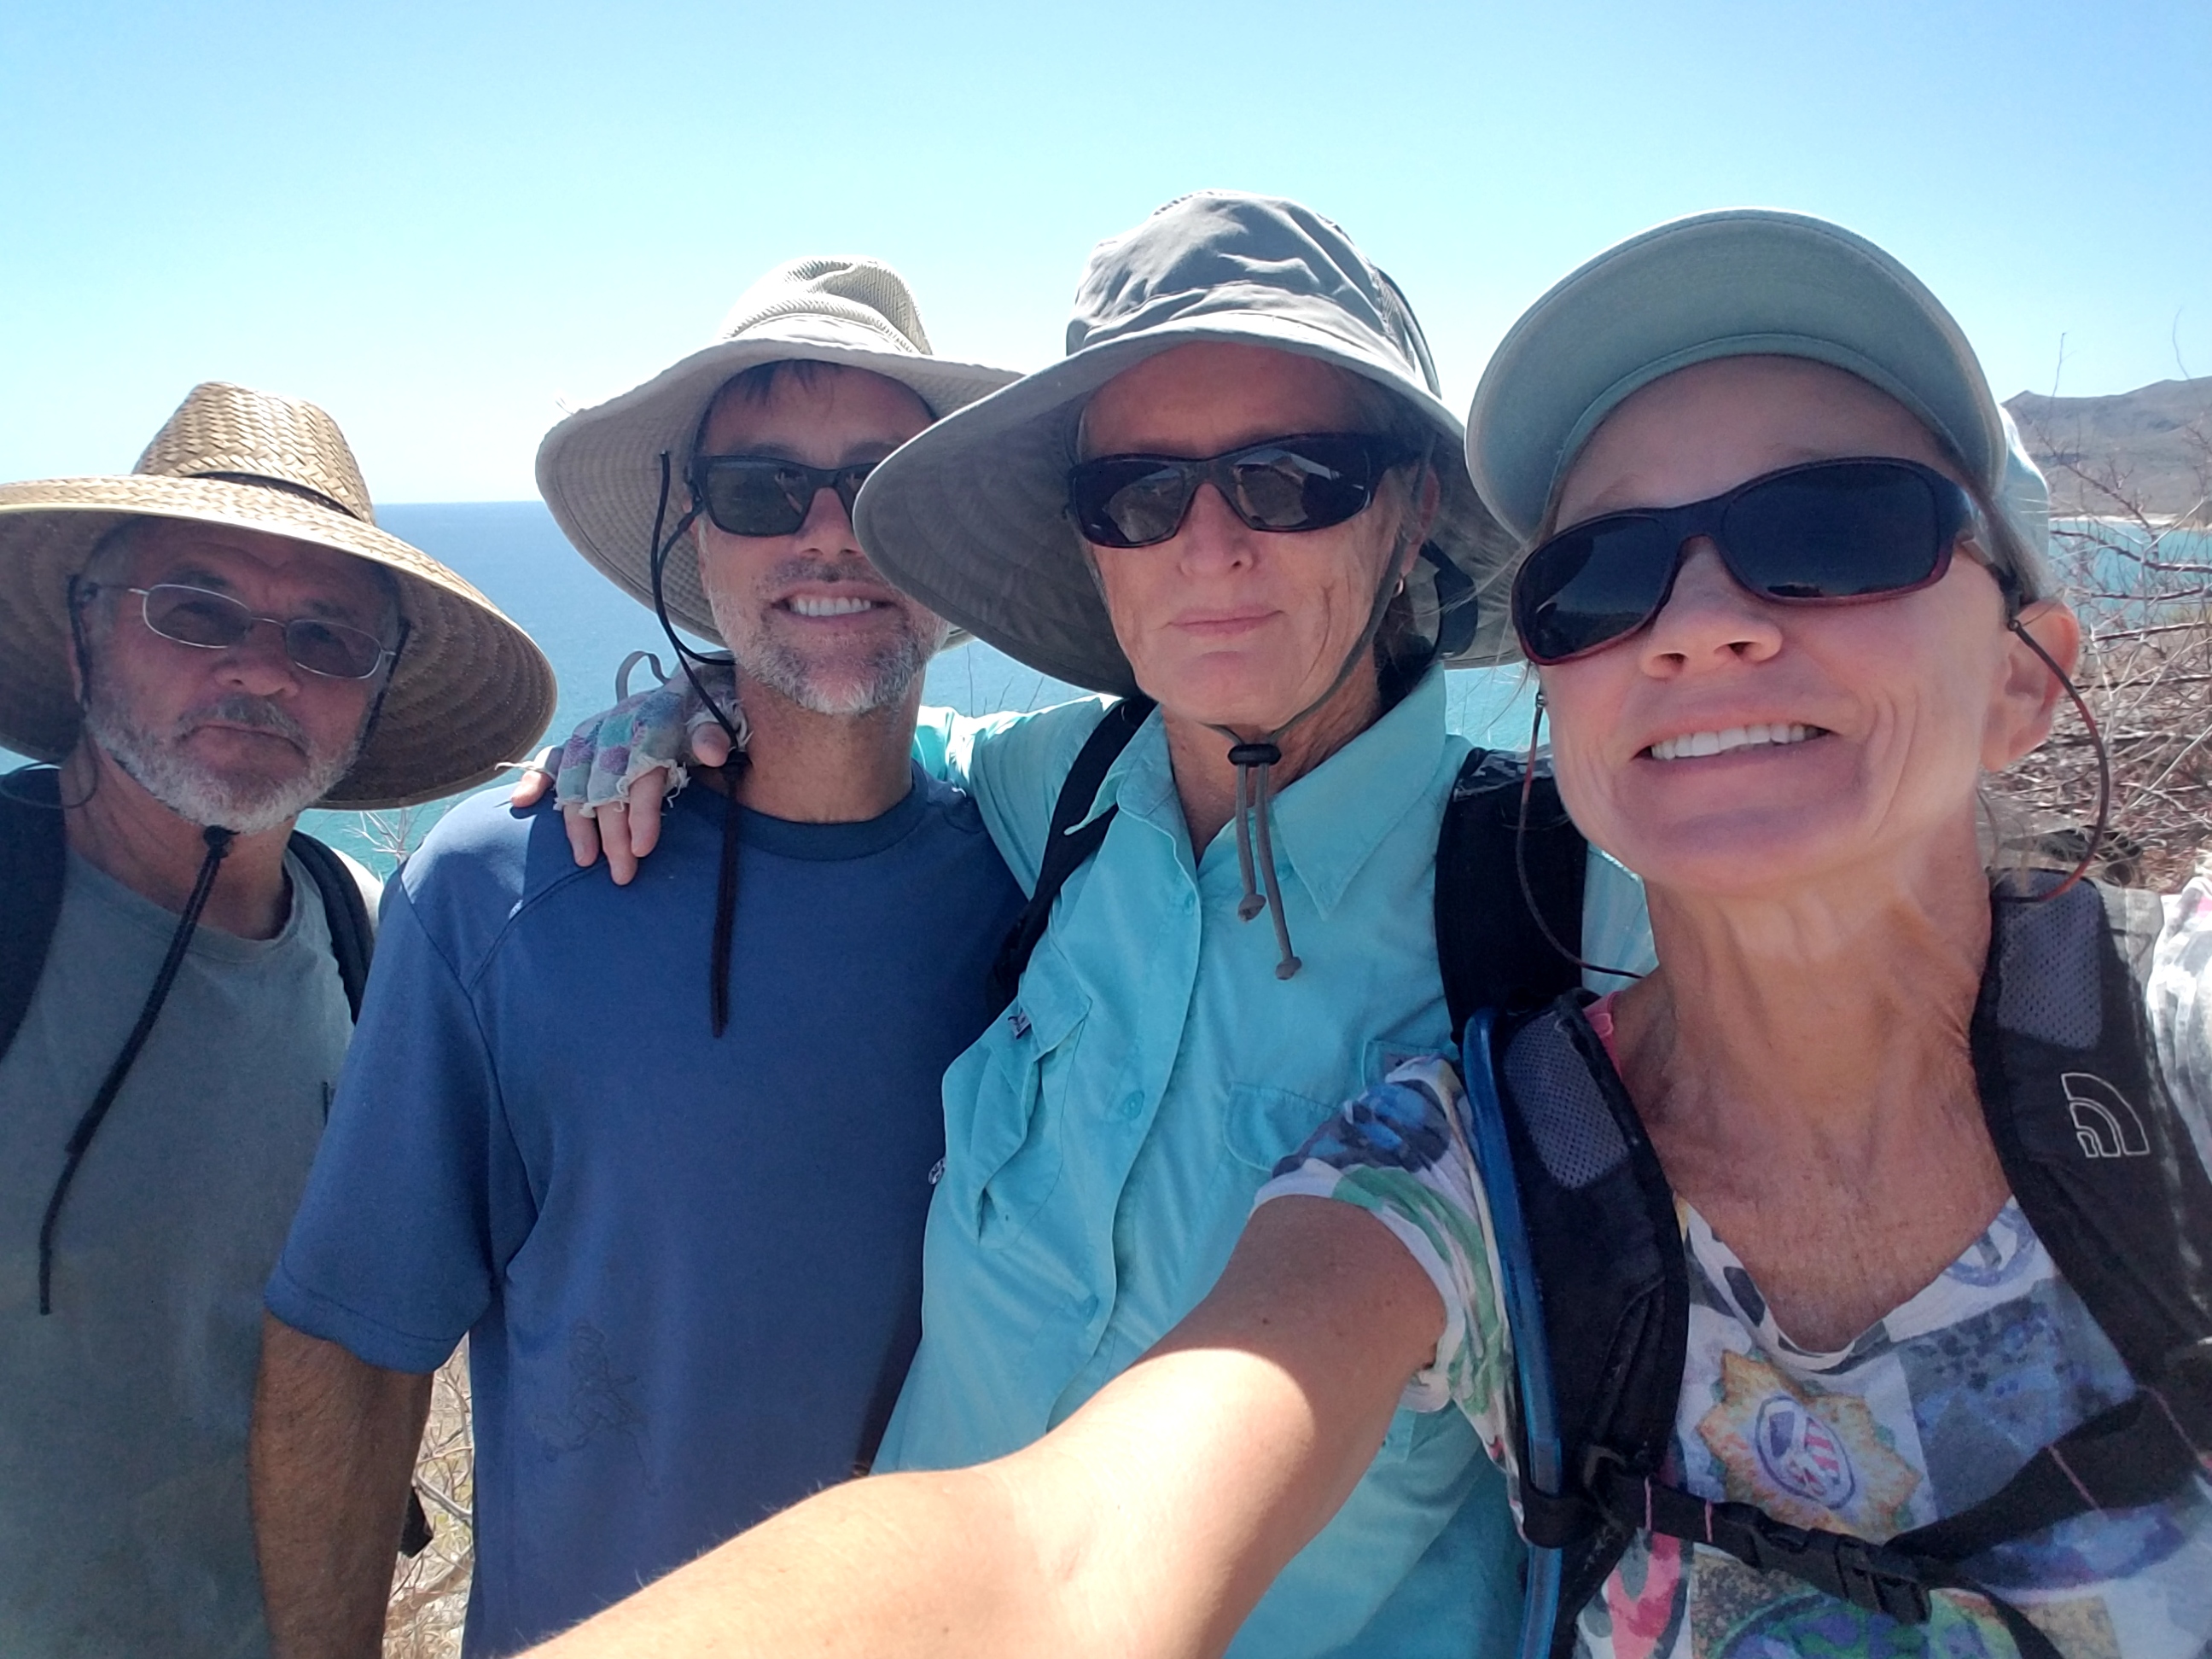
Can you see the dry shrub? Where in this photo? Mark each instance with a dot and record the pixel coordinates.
(2141, 582)
(430, 1593)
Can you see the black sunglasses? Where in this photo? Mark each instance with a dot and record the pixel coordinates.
(1828, 533)
(766, 495)
(1307, 482)
(216, 622)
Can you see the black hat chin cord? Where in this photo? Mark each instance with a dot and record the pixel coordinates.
(732, 722)
(1521, 858)
(218, 841)
(2097, 832)
(1255, 761)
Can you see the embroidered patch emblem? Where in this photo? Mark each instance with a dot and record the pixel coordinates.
(1810, 1458)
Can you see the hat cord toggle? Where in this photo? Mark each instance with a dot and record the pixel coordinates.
(1255, 760)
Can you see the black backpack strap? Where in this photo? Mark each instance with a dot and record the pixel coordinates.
(1065, 852)
(1893, 1579)
(2094, 1147)
(33, 863)
(353, 939)
(1490, 947)
(1599, 1241)
(2140, 1451)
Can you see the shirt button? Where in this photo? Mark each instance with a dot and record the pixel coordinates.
(1130, 1106)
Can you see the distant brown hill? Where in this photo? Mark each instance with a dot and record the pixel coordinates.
(2151, 447)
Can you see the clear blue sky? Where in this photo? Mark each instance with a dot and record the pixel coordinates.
(441, 220)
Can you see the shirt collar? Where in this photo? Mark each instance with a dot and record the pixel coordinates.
(1330, 823)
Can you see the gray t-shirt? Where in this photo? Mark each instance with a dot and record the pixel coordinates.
(125, 1527)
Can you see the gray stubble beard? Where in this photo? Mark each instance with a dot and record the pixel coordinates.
(878, 682)
(198, 794)
(882, 680)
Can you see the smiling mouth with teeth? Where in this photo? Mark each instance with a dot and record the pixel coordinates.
(808, 605)
(1695, 744)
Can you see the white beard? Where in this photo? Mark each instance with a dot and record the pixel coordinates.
(199, 795)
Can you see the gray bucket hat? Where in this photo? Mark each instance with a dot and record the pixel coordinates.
(970, 517)
(1744, 282)
(600, 470)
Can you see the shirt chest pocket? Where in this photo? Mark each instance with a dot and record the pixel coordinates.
(1014, 1151)
(1265, 1126)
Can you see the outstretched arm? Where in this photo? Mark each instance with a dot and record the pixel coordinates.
(334, 1443)
(1150, 1522)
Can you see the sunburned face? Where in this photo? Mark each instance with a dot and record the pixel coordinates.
(805, 614)
(1736, 746)
(240, 736)
(1222, 624)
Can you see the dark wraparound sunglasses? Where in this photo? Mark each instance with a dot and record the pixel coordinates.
(765, 495)
(1307, 482)
(216, 622)
(1829, 533)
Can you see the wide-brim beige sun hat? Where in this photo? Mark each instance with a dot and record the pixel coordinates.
(471, 691)
(1742, 281)
(971, 516)
(600, 469)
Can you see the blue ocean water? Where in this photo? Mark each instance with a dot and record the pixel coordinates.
(516, 554)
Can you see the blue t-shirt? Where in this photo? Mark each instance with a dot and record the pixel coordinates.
(690, 1270)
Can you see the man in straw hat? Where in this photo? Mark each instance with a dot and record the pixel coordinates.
(1240, 498)
(663, 1157)
(207, 647)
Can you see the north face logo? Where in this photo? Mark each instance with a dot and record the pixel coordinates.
(2104, 1123)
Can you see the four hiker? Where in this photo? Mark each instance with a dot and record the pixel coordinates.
(207, 647)
(663, 1155)
(683, 1223)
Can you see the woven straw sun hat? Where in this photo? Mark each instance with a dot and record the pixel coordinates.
(600, 469)
(970, 517)
(470, 691)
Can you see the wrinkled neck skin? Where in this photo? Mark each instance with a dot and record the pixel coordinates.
(1818, 1028)
(1205, 782)
(124, 833)
(812, 767)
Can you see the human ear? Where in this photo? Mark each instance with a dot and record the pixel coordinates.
(2029, 690)
(1427, 496)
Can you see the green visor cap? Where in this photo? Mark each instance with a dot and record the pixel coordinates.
(1745, 282)
(971, 516)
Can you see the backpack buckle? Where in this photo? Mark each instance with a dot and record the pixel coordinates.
(1865, 1575)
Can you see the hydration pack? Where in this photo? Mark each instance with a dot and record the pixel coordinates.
(1596, 1289)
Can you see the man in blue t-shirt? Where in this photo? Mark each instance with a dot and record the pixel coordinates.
(664, 1157)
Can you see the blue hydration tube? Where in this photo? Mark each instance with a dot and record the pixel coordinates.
(1524, 1315)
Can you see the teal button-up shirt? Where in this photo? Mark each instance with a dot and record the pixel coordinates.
(1105, 1137)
